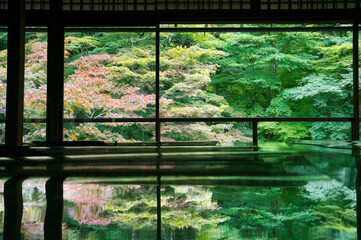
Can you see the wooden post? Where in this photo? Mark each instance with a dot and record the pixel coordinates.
(255, 133)
(159, 208)
(356, 153)
(356, 102)
(159, 196)
(54, 208)
(13, 208)
(54, 119)
(15, 74)
(55, 79)
(157, 90)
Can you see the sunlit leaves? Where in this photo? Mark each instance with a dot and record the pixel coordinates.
(316, 85)
(202, 132)
(285, 131)
(80, 44)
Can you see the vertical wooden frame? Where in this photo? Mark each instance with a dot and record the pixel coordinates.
(157, 82)
(356, 101)
(13, 202)
(54, 208)
(54, 118)
(159, 203)
(157, 128)
(356, 154)
(55, 76)
(255, 133)
(15, 74)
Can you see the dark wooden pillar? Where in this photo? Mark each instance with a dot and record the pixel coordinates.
(55, 81)
(255, 133)
(15, 74)
(54, 119)
(356, 101)
(159, 209)
(356, 153)
(54, 208)
(157, 129)
(13, 208)
(157, 83)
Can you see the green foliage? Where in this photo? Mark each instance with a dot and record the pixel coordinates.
(82, 46)
(33, 195)
(112, 75)
(284, 131)
(3, 41)
(292, 212)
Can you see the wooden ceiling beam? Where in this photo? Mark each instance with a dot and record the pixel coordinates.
(151, 18)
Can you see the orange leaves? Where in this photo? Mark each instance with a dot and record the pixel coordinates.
(165, 102)
(34, 101)
(90, 89)
(66, 54)
(36, 54)
(135, 102)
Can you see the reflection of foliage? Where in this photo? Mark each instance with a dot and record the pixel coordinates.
(190, 207)
(34, 207)
(288, 210)
(33, 194)
(335, 205)
(34, 190)
(247, 218)
(136, 207)
(286, 213)
(336, 217)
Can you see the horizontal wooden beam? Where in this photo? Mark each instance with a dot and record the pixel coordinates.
(260, 119)
(186, 29)
(151, 18)
(195, 119)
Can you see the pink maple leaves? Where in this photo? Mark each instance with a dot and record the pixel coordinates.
(91, 89)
